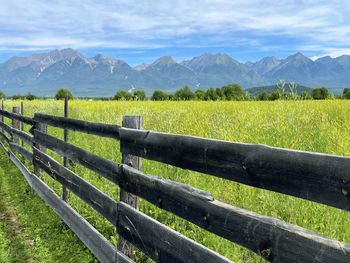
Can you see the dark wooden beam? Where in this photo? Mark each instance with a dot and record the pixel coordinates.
(100, 129)
(318, 177)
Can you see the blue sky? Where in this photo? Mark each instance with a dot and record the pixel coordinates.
(141, 31)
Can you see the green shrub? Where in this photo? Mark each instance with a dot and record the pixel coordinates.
(159, 95)
(122, 95)
(61, 93)
(139, 95)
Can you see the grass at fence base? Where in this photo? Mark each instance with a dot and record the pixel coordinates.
(320, 126)
(38, 235)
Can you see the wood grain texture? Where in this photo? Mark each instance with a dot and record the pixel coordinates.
(100, 129)
(18, 117)
(98, 164)
(159, 242)
(134, 122)
(65, 136)
(23, 135)
(259, 233)
(15, 125)
(22, 150)
(312, 176)
(98, 200)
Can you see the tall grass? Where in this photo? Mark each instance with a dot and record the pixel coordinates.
(319, 126)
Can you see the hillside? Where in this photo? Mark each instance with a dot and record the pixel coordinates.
(255, 91)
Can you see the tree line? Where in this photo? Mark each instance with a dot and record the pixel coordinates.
(229, 92)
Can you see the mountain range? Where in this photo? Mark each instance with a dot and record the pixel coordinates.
(44, 73)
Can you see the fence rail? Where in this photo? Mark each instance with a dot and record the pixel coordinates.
(313, 176)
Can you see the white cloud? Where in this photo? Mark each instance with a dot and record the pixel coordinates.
(142, 24)
(333, 53)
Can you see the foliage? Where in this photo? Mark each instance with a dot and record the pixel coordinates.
(282, 87)
(211, 94)
(184, 94)
(220, 94)
(305, 95)
(346, 93)
(139, 95)
(17, 97)
(61, 93)
(2, 95)
(233, 92)
(276, 95)
(30, 96)
(159, 95)
(122, 95)
(263, 96)
(293, 90)
(320, 93)
(199, 94)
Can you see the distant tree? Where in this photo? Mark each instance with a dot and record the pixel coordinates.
(159, 95)
(17, 97)
(276, 95)
(233, 92)
(346, 93)
(30, 96)
(211, 94)
(184, 94)
(139, 95)
(305, 95)
(2, 95)
(199, 94)
(263, 96)
(61, 93)
(220, 93)
(320, 93)
(122, 95)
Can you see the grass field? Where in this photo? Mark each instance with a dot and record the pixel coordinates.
(319, 126)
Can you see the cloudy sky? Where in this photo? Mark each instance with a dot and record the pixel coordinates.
(140, 30)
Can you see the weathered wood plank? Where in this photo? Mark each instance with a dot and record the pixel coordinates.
(65, 135)
(195, 206)
(7, 139)
(322, 178)
(42, 127)
(21, 150)
(134, 122)
(98, 200)
(97, 243)
(241, 226)
(18, 117)
(23, 135)
(5, 127)
(100, 129)
(15, 125)
(98, 164)
(159, 242)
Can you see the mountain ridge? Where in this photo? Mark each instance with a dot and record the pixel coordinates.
(44, 73)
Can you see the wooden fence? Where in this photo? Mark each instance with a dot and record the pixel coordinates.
(316, 177)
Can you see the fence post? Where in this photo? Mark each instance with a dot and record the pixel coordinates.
(65, 160)
(2, 117)
(43, 128)
(16, 125)
(2, 107)
(22, 129)
(135, 122)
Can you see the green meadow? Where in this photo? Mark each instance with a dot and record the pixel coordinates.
(318, 126)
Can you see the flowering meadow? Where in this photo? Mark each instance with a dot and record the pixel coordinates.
(318, 126)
